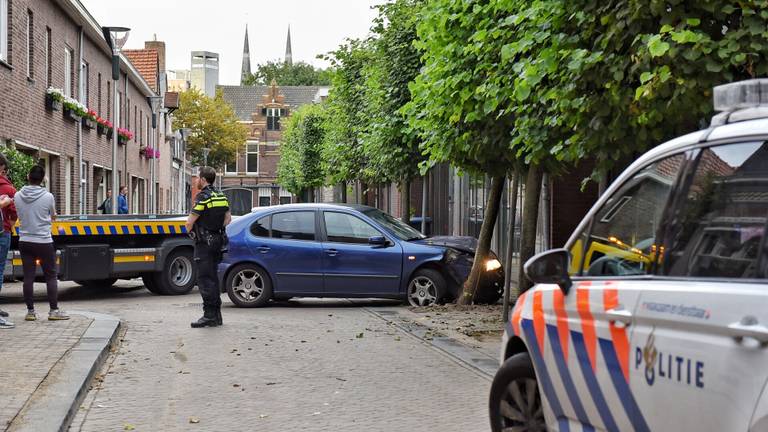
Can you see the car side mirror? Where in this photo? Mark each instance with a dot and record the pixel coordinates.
(380, 241)
(550, 267)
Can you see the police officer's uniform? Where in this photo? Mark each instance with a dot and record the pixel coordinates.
(211, 207)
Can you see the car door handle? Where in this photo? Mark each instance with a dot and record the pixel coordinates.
(619, 315)
(263, 249)
(332, 252)
(749, 328)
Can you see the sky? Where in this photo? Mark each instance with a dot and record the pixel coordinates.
(317, 27)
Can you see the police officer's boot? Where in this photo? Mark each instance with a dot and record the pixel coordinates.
(208, 319)
(219, 319)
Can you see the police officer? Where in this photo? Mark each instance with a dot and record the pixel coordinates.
(205, 224)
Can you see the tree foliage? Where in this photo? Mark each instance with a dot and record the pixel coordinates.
(300, 167)
(19, 165)
(213, 125)
(296, 74)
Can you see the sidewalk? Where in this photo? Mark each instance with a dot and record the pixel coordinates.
(46, 366)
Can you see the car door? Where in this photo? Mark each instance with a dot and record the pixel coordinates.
(285, 243)
(699, 356)
(351, 265)
(586, 332)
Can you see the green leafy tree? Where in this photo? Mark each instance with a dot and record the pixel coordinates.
(213, 125)
(19, 166)
(296, 74)
(300, 168)
(391, 147)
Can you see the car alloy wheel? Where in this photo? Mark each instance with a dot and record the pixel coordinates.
(520, 408)
(422, 291)
(248, 285)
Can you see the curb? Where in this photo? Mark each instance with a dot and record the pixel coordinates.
(55, 408)
(469, 357)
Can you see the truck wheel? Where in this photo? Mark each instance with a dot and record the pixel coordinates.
(150, 284)
(97, 283)
(179, 273)
(248, 285)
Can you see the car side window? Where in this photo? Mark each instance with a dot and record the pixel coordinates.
(345, 228)
(621, 241)
(721, 222)
(260, 228)
(298, 225)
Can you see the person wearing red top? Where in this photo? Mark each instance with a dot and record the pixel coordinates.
(8, 215)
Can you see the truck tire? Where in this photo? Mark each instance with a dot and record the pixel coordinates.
(97, 283)
(179, 273)
(150, 284)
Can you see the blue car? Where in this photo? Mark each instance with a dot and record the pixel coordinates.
(332, 250)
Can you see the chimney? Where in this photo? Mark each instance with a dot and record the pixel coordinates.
(160, 47)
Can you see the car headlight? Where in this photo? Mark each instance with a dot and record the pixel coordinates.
(492, 264)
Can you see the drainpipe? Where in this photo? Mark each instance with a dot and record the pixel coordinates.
(80, 97)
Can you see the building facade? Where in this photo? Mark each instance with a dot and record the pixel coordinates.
(204, 74)
(57, 44)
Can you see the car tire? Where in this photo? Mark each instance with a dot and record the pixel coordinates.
(249, 285)
(97, 283)
(150, 284)
(427, 287)
(515, 399)
(179, 273)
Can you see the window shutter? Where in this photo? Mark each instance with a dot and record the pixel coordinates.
(263, 111)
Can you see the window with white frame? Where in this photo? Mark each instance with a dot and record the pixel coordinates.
(84, 79)
(285, 196)
(230, 167)
(265, 196)
(69, 56)
(273, 119)
(4, 30)
(252, 157)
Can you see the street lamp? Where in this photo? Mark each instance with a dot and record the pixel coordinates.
(155, 103)
(185, 132)
(116, 38)
(206, 151)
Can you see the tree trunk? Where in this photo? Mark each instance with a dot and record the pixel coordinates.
(363, 194)
(405, 195)
(484, 242)
(344, 192)
(515, 185)
(311, 194)
(424, 191)
(530, 220)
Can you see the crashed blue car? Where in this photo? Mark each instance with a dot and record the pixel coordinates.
(348, 251)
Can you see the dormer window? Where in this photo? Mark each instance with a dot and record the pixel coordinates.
(273, 119)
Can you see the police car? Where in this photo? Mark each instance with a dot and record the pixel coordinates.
(655, 315)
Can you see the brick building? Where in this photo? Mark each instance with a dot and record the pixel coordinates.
(251, 179)
(58, 44)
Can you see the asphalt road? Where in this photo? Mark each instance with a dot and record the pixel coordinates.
(313, 365)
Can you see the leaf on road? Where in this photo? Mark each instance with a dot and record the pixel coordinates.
(194, 420)
(129, 426)
(359, 335)
(263, 416)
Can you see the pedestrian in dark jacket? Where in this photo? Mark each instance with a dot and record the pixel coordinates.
(8, 216)
(106, 206)
(37, 211)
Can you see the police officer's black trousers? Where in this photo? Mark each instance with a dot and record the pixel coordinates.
(208, 259)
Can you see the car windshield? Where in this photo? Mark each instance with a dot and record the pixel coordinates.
(395, 226)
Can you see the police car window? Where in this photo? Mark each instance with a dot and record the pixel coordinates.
(622, 238)
(344, 228)
(722, 219)
(293, 225)
(260, 228)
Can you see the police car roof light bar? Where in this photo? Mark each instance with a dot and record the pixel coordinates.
(740, 95)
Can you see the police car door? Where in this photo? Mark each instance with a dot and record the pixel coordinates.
(699, 359)
(612, 262)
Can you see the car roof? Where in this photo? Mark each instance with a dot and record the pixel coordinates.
(314, 206)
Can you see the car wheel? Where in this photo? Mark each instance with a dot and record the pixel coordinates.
(515, 402)
(97, 283)
(426, 288)
(150, 284)
(248, 285)
(179, 273)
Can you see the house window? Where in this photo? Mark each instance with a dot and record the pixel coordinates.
(48, 59)
(252, 158)
(98, 93)
(30, 45)
(285, 196)
(273, 119)
(230, 167)
(4, 9)
(85, 96)
(69, 56)
(265, 196)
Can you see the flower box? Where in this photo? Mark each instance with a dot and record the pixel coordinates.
(104, 126)
(89, 123)
(110, 134)
(123, 136)
(122, 140)
(71, 114)
(54, 99)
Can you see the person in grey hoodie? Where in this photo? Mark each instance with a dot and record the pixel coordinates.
(36, 210)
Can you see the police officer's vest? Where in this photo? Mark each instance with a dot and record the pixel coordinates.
(212, 206)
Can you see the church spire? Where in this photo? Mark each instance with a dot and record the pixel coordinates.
(246, 71)
(288, 53)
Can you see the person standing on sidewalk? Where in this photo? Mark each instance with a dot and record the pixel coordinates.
(122, 200)
(8, 216)
(206, 224)
(106, 206)
(36, 210)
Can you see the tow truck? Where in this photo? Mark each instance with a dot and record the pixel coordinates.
(97, 250)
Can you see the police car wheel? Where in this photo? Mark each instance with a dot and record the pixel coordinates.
(515, 402)
(248, 285)
(426, 288)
